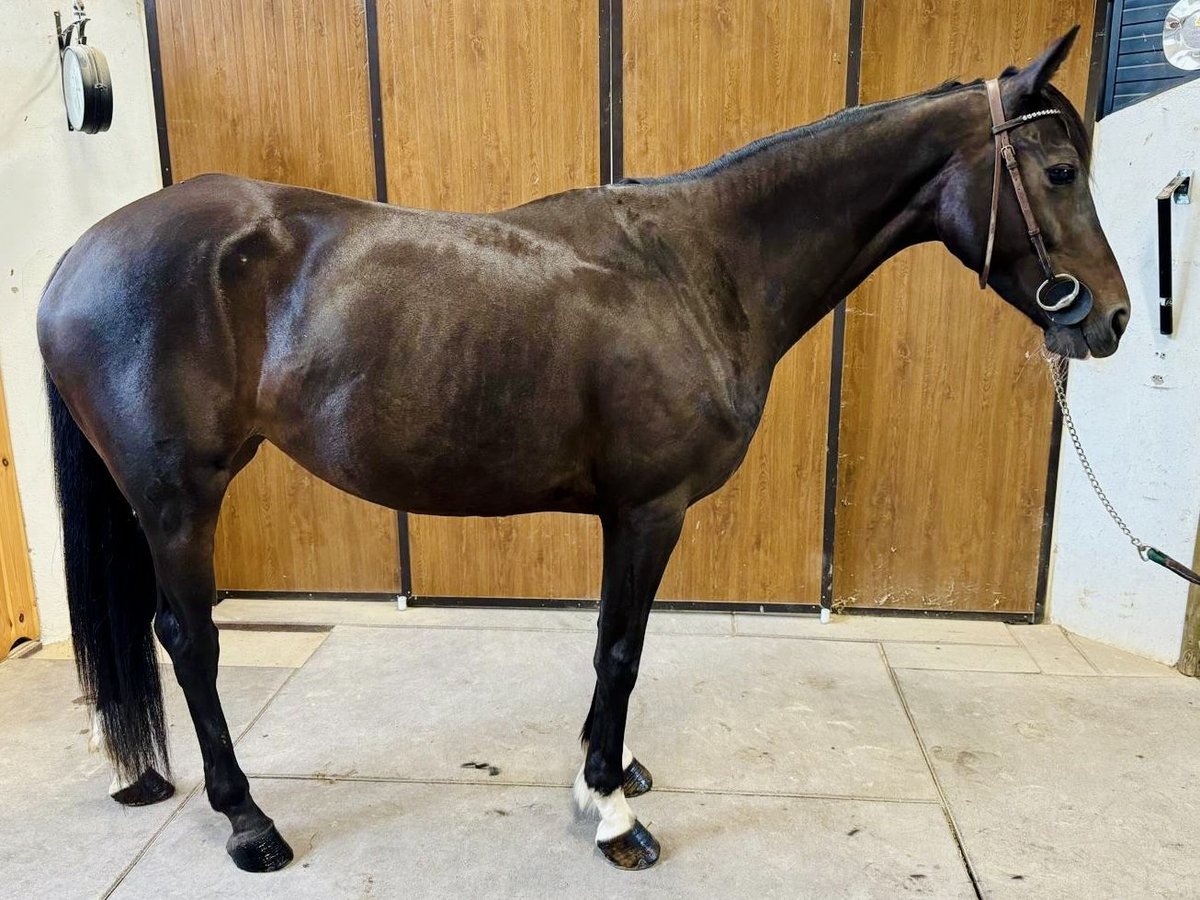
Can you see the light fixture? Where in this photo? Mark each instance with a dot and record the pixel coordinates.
(1181, 35)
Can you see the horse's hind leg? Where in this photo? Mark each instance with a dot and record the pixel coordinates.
(180, 526)
(637, 545)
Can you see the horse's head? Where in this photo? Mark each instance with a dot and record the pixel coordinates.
(1050, 146)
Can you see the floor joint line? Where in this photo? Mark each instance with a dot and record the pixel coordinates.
(945, 803)
(451, 782)
(137, 858)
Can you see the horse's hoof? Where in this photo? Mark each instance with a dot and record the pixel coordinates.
(259, 851)
(638, 780)
(635, 849)
(149, 788)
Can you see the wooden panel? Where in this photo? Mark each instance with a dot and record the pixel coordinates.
(946, 410)
(273, 89)
(487, 105)
(277, 89)
(18, 615)
(700, 79)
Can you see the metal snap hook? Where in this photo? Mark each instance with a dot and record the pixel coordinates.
(1065, 301)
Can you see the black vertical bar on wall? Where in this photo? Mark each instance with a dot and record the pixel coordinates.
(605, 7)
(375, 89)
(1096, 79)
(611, 93)
(617, 106)
(371, 14)
(156, 86)
(405, 548)
(838, 343)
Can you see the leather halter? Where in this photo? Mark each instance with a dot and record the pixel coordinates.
(1006, 154)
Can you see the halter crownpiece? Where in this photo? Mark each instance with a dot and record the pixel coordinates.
(1063, 297)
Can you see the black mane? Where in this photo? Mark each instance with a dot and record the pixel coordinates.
(1076, 130)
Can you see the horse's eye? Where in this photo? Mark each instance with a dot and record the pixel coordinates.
(1062, 174)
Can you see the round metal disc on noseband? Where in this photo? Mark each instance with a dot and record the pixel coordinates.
(1065, 300)
(1076, 312)
(1057, 293)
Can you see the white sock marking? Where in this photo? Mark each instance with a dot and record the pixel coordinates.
(584, 797)
(616, 816)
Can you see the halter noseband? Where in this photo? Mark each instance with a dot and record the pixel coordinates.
(1063, 297)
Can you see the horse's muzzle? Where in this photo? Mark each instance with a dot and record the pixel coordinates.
(1068, 340)
(1103, 330)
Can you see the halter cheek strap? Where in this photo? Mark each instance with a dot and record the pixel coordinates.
(1005, 153)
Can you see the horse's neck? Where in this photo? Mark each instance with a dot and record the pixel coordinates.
(810, 216)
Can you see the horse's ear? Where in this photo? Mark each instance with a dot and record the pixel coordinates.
(1035, 76)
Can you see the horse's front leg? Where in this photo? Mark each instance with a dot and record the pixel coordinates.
(637, 545)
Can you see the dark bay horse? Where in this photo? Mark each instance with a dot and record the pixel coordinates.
(603, 351)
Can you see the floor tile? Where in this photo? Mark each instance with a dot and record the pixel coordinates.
(279, 649)
(1068, 787)
(61, 650)
(359, 839)
(960, 657)
(1052, 650)
(1111, 661)
(381, 613)
(257, 649)
(61, 834)
(714, 713)
(875, 628)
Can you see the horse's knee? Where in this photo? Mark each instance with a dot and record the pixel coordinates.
(617, 667)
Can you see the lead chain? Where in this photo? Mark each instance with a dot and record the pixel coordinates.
(1058, 371)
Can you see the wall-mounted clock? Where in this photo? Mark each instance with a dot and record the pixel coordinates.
(86, 83)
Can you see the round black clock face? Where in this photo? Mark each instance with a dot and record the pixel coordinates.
(87, 89)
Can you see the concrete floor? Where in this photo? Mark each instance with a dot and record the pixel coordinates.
(865, 758)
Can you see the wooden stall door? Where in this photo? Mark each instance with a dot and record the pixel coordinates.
(701, 79)
(485, 106)
(277, 89)
(947, 411)
(18, 615)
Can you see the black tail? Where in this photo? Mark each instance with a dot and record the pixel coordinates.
(112, 594)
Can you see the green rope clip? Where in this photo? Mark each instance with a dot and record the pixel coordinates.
(1172, 565)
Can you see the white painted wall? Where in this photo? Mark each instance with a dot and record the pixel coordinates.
(55, 184)
(1138, 412)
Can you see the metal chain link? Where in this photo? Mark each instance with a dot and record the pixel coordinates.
(1058, 371)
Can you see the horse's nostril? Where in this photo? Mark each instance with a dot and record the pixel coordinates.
(1120, 318)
